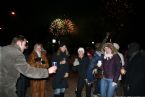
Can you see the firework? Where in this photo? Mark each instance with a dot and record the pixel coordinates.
(61, 27)
(70, 26)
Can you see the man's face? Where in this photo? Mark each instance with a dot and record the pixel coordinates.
(22, 45)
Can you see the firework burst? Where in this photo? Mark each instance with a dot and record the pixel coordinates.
(70, 27)
(62, 27)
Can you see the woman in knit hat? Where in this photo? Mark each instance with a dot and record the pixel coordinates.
(82, 69)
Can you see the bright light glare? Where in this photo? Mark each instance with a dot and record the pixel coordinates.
(13, 13)
(53, 40)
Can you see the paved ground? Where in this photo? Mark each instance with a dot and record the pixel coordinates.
(69, 92)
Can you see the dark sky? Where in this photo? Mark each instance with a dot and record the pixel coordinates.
(92, 19)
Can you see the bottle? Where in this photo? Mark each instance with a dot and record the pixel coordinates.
(54, 63)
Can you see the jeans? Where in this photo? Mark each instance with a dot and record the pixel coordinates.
(58, 91)
(107, 90)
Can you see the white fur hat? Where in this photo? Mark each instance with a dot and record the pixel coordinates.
(116, 46)
(81, 49)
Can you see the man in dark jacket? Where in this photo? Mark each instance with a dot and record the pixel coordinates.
(135, 75)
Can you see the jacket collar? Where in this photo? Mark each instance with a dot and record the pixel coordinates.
(16, 46)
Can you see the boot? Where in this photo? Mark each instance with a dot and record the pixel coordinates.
(78, 94)
(61, 94)
(56, 95)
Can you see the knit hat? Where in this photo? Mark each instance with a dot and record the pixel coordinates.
(116, 46)
(81, 49)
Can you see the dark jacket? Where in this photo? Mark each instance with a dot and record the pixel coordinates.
(111, 67)
(58, 79)
(83, 66)
(135, 75)
(93, 62)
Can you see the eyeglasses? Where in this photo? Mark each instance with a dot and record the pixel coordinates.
(26, 45)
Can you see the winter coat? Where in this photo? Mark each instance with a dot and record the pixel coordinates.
(111, 67)
(32, 60)
(135, 75)
(13, 63)
(93, 62)
(58, 79)
(83, 66)
(38, 85)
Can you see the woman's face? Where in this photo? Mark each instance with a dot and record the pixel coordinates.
(80, 53)
(108, 50)
(38, 48)
(63, 48)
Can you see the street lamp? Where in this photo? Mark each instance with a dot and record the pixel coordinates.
(93, 42)
(53, 45)
(13, 13)
(53, 41)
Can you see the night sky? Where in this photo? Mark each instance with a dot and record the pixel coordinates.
(92, 20)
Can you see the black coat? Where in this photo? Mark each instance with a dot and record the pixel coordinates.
(58, 79)
(83, 66)
(135, 75)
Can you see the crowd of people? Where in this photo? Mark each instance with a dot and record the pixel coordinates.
(102, 71)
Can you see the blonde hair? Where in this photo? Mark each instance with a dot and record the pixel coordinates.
(36, 45)
(110, 45)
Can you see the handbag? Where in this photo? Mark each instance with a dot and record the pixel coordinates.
(99, 73)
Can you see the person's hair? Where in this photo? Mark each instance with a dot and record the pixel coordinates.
(37, 44)
(133, 47)
(97, 46)
(18, 38)
(66, 51)
(110, 45)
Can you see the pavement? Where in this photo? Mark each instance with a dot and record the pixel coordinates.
(70, 91)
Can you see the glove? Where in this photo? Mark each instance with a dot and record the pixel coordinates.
(76, 62)
(66, 75)
(114, 84)
(99, 64)
(94, 71)
(123, 71)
